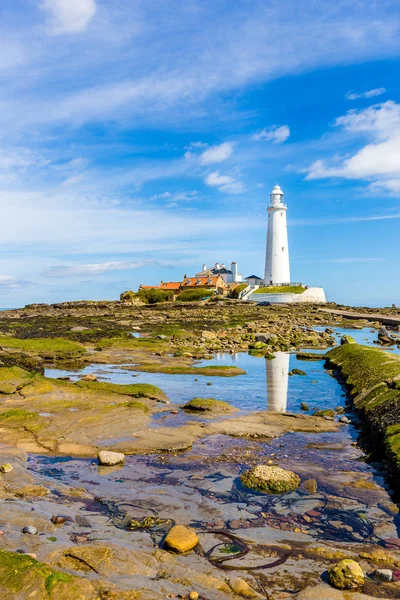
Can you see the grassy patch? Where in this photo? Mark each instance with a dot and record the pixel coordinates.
(46, 348)
(135, 390)
(212, 371)
(281, 289)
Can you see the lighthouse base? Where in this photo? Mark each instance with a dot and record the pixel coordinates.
(312, 295)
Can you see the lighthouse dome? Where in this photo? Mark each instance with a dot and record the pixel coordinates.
(277, 190)
(276, 197)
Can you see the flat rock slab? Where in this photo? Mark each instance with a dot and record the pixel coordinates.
(325, 592)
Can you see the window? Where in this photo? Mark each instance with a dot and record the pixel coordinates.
(283, 248)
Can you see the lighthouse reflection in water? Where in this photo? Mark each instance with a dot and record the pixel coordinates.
(277, 382)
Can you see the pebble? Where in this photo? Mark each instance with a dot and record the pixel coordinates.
(344, 420)
(384, 574)
(30, 530)
(58, 520)
(7, 468)
(193, 596)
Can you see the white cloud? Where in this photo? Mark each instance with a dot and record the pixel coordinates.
(217, 154)
(276, 134)
(175, 197)
(93, 270)
(369, 94)
(225, 183)
(196, 145)
(69, 16)
(379, 160)
(9, 283)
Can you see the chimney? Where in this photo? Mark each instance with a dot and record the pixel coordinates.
(234, 270)
(217, 266)
(204, 268)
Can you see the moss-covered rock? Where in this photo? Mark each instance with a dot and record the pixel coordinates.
(209, 405)
(23, 577)
(328, 412)
(211, 371)
(372, 376)
(347, 339)
(298, 372)
(273, 480)
(346, 575)
(13, 379)
(135, 390)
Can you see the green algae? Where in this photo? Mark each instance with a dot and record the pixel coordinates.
(271, 480)
(310, 356)
(136, 405)
(13, 379)
(221, 371)
(209, 405)
(17, 414)
(372, 376)
(44, 347)
(23, 576)
(135, 390)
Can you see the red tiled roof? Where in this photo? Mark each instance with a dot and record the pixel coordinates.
(201, 281)
(170, 285)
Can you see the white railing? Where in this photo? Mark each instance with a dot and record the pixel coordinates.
(247, 291)
(286, 284)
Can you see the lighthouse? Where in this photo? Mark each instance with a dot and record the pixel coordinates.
(277, 270)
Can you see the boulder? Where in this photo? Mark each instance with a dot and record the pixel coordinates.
(208, 405)
(347, 339)
(272, 480)
(181, 539)
(89, 377)
(304, 406)
(383, 574)
(108, 458)
(208, 335)
(263, 337)
(346, 575)
(384, 336)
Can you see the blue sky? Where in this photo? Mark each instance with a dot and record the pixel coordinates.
(141, 138)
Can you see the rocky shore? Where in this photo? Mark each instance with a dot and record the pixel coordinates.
(116, 491)
(372, 377)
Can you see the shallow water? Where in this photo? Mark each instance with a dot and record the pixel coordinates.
(201, 487)
(266, 385)
(365, 336)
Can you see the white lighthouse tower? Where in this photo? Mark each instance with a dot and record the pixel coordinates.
(277, 270)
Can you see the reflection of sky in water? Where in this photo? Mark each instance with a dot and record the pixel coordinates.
(248, 392)
(266, 385)
(365, 336)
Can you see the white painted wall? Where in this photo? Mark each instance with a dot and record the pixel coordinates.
(277, 269)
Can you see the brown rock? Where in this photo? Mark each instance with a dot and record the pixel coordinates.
(181, 539)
